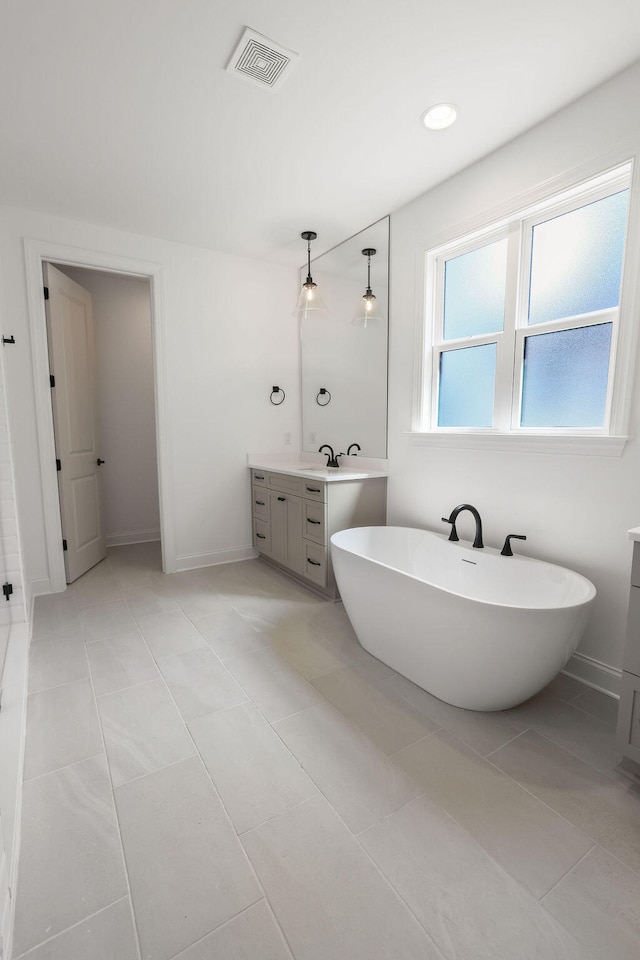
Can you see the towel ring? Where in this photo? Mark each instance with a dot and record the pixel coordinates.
(323, 392)
(274, 392)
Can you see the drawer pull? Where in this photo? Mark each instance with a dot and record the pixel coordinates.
(282, 499)
(314, 562)
(313, 489)
(309, 520)
(258, 477)
(260, 503)
(260, 536)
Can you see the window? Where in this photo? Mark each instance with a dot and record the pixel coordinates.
(522, 318)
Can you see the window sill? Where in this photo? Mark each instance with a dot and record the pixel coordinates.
(565, 444)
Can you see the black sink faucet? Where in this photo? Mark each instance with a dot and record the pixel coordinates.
(349, 448)
(332, 458)
(454, 516)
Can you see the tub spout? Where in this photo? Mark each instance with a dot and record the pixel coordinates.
(454, 516)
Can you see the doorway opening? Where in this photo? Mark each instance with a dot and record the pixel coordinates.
(96, 262)
(103, 404)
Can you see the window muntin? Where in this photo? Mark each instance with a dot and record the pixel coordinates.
(570, 396)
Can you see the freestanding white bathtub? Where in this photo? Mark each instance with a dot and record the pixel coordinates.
(473, 628)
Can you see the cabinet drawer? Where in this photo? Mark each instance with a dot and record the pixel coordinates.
(314, 490)
(315, 563)
(262, 536)
(280, 481)
(314, 526)
(259, 477)
(260, 503)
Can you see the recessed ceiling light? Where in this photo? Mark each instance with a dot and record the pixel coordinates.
(439, 116)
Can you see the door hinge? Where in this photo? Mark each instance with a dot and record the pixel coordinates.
(64, 544)
(46, 293)
(52, 380)
(58, 464)
(7, 589)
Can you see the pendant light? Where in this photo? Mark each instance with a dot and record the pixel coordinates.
(310, 303)
(368, 309)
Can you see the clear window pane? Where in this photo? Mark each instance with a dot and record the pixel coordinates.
(576, 260)
(467, 384)
(565, 377)
(474, 285)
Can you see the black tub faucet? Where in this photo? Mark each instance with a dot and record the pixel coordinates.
(332, 458)
(454, 516)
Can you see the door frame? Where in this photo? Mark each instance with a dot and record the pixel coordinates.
(36, 252)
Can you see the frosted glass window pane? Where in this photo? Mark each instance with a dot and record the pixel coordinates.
(576, 260)
(467, 384)
(474, 285)
(565, 377)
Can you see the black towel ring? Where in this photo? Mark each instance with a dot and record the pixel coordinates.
(276, 391)
(323, 392)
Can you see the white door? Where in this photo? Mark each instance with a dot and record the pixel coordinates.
(71, 337)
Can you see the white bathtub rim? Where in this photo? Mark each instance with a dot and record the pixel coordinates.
(467, 545)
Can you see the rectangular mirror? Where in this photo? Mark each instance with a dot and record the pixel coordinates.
(347, 360)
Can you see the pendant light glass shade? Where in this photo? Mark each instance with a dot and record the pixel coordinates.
(368, 310)
(309, 303)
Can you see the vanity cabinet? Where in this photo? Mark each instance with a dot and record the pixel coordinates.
(629, 711)
(294, 518)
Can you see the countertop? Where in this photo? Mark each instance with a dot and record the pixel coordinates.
(307, 466)
(634, 533)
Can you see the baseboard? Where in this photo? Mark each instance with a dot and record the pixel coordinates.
(39, 588)
(595, 674)
(196, 560)
(133, 536)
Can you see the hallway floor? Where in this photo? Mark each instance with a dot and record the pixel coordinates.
(216, 770)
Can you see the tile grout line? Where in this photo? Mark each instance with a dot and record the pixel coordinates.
(78, 923)
(566, 874)
(198, 755)
(548, 805)
(118, 827)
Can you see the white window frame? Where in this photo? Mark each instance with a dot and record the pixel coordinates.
(506, 432)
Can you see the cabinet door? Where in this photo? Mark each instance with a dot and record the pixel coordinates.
(631, 660)
(629, 717)
(285, 516)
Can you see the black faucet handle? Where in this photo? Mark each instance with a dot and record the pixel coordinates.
(454, 533)
(506, 549)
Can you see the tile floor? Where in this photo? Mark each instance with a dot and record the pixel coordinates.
(216, 769)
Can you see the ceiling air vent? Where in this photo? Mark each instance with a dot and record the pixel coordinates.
(260, 60)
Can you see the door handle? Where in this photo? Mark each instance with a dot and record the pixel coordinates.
(99, 461)
(282, 499)
(309, 520)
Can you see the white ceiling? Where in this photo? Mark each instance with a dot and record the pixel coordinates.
(121, 111)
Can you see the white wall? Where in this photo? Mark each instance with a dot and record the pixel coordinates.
(575, 510)
(229, 335)
(13, 669)
(126, 404)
